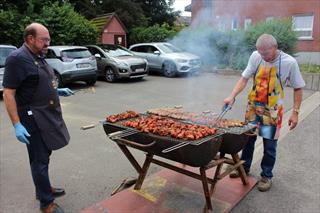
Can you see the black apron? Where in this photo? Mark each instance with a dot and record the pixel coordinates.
(46, 110)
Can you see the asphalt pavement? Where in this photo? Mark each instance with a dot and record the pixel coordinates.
(91, 166)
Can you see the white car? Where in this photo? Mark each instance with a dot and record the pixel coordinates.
(5, 50)
(168, 59)
(72, 63)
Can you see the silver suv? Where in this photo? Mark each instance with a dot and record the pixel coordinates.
(5, 50)
(72, 63)
(115, 62)
(166, 58)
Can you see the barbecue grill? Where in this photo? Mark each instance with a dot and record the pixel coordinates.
(202, 153)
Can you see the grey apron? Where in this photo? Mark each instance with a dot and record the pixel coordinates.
(46, 109)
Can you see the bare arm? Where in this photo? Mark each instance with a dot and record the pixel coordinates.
(297, 99)
(11, 105)
(241, 84)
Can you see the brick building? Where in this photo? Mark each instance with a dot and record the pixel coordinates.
(235, 14)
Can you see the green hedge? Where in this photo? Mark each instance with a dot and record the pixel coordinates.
(154, 33)
(281, 29)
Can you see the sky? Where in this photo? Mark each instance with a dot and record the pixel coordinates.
(180, 4)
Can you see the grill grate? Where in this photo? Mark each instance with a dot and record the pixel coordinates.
(240, 130)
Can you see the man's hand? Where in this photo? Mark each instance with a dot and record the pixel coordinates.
(21, 133)
(229, 101)
(293, 120)
(65, 92)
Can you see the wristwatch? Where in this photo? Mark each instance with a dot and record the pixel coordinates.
(296, 110)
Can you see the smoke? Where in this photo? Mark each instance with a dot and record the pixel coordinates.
(215, 47)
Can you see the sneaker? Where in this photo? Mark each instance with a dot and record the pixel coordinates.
(235, 174)
(264, 184)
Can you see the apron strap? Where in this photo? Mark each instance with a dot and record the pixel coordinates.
(254, 76)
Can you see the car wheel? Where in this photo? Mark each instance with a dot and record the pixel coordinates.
(58, 80)
(109, 75)
(169, 69)
(91, 82)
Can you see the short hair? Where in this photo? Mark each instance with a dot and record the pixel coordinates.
(30, 30)
(266, 40)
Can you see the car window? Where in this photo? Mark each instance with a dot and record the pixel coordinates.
(76, 53)
(50, 54)
(142, 49)
(116, 51)
(94, 51)
(168, 48)
(4, 53)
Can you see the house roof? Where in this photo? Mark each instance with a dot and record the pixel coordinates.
(102, 21)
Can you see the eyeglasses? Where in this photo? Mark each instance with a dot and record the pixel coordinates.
(45, 40)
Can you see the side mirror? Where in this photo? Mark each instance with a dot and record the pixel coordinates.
(157, 52)
(97, 55)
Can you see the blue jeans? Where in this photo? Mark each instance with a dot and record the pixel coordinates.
(39, 156)
(268, 159)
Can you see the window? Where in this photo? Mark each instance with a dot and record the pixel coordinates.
(247, 23)
(303, 25)
(51, 54)
(139, 49)
(269, 18)
(94, 51)
(234, 24)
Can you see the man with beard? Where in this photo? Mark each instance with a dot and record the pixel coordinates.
(32, 100)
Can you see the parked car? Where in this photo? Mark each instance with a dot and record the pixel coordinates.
(72, 63)
(115, 62)
(5, 50)
(166, 58)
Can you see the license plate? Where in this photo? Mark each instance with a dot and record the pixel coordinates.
(139, 70)
(83, 65)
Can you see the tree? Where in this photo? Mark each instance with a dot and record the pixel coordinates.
(65, 25)
(159, 11)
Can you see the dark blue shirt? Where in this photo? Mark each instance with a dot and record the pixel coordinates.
(21, 73)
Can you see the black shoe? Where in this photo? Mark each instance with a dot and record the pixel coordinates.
(56, 192)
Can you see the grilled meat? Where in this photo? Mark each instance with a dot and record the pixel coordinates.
(201, 119)
(168, 127)
(122, 116)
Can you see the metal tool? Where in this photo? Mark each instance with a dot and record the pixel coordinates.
(225, 109)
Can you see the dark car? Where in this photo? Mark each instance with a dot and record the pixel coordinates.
(115, 62)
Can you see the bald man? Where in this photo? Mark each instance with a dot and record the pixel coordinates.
(32, 100)
(270, 68)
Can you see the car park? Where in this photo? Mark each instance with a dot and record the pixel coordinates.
(72, 63)
(166, 58)
(5, 51)
(116, 62)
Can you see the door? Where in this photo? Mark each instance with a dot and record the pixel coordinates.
(154, 59)
(120, 40)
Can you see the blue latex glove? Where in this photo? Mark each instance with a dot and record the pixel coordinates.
(21, 133)
(65, 92)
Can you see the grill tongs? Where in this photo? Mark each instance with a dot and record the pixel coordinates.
(226, 108)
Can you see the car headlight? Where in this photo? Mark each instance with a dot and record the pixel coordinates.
(182, 60)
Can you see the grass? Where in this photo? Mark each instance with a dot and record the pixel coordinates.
(309, 68)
